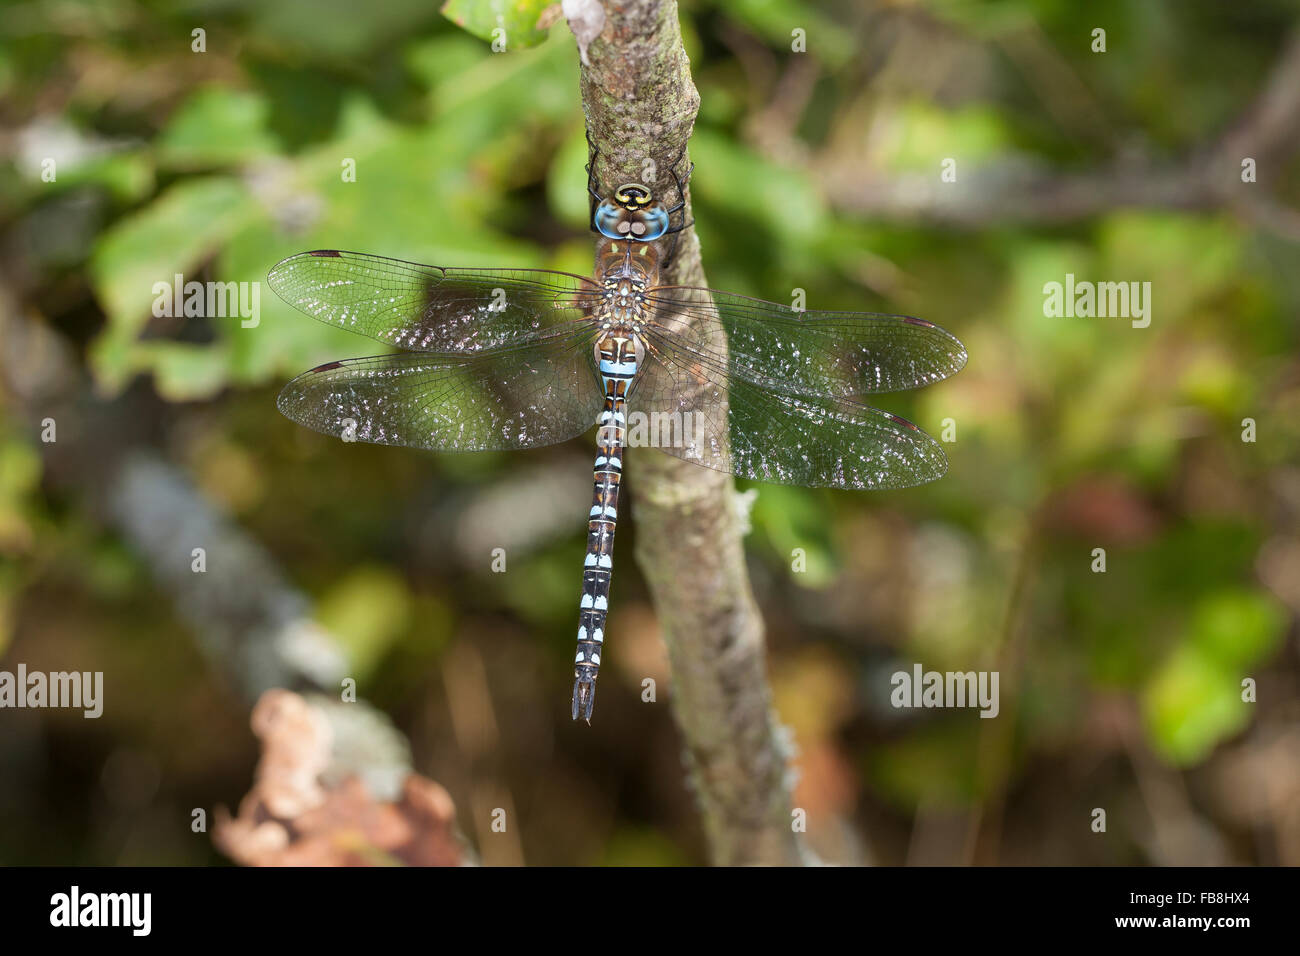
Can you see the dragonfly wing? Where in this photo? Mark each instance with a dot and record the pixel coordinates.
(726, 422)
(428, 308)
(816, 354)
(521, 397)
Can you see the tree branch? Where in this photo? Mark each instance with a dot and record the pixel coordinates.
(640, 105)
(1017, 192)
(252, 624)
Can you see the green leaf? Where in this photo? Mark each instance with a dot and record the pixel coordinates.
(171, 236)
(128, 176)
(921, 136)
(1237, 628)
(1186, 258)
(776, 21)
(368, 611)
(506, 23)
(1193, 702)
(789, 519)
(324, 29)
(566, 181)
(186, 225)
(934, 765)
(183, 372)
(1191, 705)
(786, 203)
(20, 477)
(217, 127)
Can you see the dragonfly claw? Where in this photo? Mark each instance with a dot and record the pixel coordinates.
(584, 698)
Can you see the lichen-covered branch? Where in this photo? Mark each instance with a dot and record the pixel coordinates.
(640, 105)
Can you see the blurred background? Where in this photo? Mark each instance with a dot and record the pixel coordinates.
(1120, 690)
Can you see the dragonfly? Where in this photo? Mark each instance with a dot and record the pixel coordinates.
(494, 359)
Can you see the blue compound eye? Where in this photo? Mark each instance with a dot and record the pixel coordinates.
(607, 220)
(655, 222)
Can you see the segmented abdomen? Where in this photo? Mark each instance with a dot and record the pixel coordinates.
(617, 369)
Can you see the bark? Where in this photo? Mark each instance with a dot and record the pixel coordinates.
(640, 105)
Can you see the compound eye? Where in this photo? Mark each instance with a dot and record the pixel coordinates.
(607, 221)
(656, 225)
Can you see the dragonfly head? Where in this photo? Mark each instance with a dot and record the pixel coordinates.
(631, 213)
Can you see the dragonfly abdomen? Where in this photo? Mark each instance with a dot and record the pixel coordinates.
(618, 367)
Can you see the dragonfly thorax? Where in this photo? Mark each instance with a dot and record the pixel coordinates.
(623, 304)
(628, 260)
(627, 270)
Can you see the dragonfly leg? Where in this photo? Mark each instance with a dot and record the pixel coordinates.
(593, 192)
(672, 248)
(680, 183)
(681, 191)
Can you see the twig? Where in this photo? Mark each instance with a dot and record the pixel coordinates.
(1268, 131)
(253, 626)
(640, 104)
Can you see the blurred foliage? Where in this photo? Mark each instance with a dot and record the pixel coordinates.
(498, 21)
(1071, 434)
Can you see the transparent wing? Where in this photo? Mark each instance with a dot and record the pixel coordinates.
(522, 397)
(816, 354)
(700, 412)
(431, 309)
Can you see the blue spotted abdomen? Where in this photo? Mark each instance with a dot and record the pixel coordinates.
(618, 367)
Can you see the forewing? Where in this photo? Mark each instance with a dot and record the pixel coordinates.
(814, 354)
(429, 308)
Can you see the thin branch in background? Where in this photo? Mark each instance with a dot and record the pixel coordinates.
(1077, 112)
(1021, 191)
(997, 740)
(254, 628)
(469, 700)
(1177, 835)
(640, 104)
